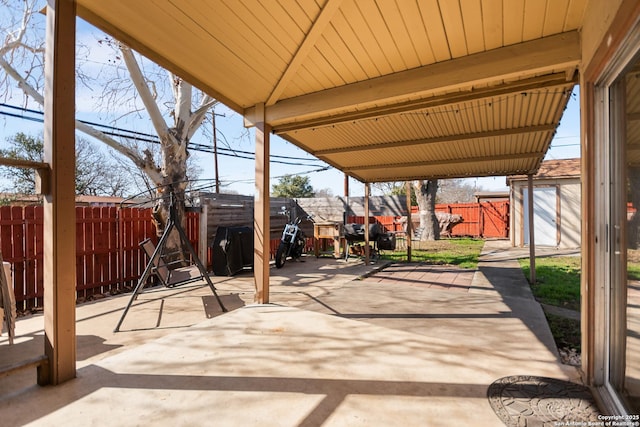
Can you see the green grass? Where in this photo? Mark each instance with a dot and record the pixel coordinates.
(558, 284)
(463, 252)
(633, 271)
(557, 281)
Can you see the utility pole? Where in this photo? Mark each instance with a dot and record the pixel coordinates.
(215, 151)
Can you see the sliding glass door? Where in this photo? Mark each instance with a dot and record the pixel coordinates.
(617, 166)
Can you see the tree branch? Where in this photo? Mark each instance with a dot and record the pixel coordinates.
(147, 98)
(22, 83)
(184, 92)
(149, 169)
(197, 118)
(144, 163)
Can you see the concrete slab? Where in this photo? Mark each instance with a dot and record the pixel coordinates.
(332, 350)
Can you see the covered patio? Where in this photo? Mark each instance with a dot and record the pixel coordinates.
(342, 344)
(382, 90)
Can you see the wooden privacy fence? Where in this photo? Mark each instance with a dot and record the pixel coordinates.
(485, 219)
(108, 255)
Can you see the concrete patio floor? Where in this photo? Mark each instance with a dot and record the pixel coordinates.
(411, 345)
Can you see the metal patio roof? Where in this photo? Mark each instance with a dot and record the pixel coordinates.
(384, 90)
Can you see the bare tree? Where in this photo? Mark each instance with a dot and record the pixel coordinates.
(455, 191)
(175, 121)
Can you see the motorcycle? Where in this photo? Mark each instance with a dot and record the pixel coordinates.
(293, 239)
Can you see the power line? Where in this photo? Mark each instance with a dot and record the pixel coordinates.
(146, 137)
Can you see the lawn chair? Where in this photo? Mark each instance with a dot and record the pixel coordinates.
(169, 277)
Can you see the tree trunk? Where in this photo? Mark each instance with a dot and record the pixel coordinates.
(172, 191)
(426, 197)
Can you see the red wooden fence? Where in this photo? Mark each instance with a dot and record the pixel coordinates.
(108, 256)
(486, 219)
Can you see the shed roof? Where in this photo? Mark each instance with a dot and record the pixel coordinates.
(384, 90)
(554, 169)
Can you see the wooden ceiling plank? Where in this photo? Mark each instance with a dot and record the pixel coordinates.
(534, 14)
(358, 22)
(432, 17)
(472, 19)
(454, 28)
(343, 26)
(309, 42)
(381, 34)
(559, 51)
(244, 44)
(96, 19)
(492, 21)
(575, 15)
(336, 50)
(268, 26)
(320, 64)
(555, 17)
(513, 21)
(400, 33)
(419, 38)
(447, 138)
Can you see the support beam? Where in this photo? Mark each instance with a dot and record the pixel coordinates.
(367, 252)
(523, 156)
(59, 272)
(448, 138)
(409, 230)
(532, 242)
(345, 216)
(261, 221)
(540, 56)
(555, 82)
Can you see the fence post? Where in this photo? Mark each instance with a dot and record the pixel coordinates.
(481, 220)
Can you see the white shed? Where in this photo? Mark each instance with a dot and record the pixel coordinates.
(556, 205)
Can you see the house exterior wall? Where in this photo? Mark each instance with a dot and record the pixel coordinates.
(568, 204)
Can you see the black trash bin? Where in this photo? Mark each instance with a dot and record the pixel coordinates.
(232, 250)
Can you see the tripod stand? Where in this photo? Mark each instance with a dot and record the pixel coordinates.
(156, 255)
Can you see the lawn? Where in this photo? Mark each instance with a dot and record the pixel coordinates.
(557, 280)
(558, 284)
(463, 252)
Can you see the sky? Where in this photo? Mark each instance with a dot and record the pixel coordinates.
(236, 173)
